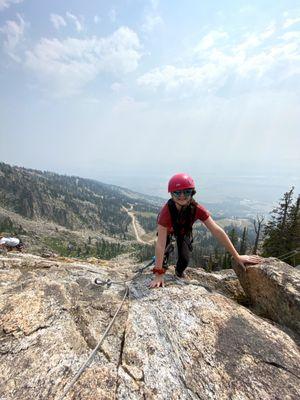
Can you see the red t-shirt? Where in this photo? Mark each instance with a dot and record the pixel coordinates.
(165, 219)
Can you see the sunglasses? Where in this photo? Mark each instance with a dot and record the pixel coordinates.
(186, 193)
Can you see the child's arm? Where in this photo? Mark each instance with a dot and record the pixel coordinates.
(159, 255)
(222, 237)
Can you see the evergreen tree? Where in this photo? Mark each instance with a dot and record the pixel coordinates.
(243, 245)
(210, 264)
(233, 236)
(258, 224)
(227, 256)
(282, 231)
(226, 261)
(293, 236)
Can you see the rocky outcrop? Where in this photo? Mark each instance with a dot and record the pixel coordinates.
(224, 282)
(185, 341)
(274, 290)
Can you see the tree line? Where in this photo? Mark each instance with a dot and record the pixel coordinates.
(278, 237)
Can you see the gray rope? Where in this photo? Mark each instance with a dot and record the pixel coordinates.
(108, 282)
(86, 364)
(289, 254)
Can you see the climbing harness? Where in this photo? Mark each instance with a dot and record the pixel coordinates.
(182, 221)
(108, 283)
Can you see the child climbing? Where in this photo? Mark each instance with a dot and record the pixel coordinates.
(176, 219)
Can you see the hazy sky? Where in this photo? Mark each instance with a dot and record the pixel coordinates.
(144, 89)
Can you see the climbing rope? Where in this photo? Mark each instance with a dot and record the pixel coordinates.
(86, 364)
(289, 254)
(108, 283)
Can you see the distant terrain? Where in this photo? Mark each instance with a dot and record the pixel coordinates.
(73, 216)
(259, 192)
(69, 215)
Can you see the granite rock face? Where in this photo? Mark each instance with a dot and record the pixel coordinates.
(274, 289)
(224, 282)
(186, 341)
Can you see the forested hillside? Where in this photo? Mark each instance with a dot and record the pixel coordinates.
(72, 202)
(70, 216)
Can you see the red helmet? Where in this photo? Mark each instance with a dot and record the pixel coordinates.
(180, 182)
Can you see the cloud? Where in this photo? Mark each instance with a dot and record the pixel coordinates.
(57, 21)
(210, 40)
(13, 32)
(288, 36)
(7, 3)
(217, 59)
(152, 21)
(192, 78)
(290, 21)
(73, 18)
(268, 32)
(254, 40)
(67, 65)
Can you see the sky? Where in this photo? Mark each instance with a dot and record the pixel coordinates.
(130, 92)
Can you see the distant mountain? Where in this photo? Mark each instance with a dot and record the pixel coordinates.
(70, 216)
(70, 201)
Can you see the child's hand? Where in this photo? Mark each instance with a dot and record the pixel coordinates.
(157, 281)
(245, 259)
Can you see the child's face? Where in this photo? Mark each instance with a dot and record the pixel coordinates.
(181, 199)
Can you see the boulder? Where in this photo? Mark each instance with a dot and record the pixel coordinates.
(224, 282)
(185, 341)
(274, 290)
